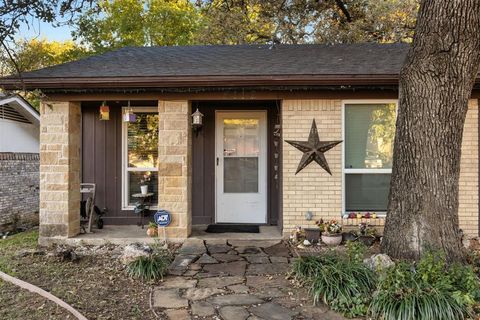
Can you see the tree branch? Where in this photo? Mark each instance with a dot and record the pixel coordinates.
(344, 10)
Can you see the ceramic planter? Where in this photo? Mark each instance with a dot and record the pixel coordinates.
(332, 239)
(312, 234)
(144, 189)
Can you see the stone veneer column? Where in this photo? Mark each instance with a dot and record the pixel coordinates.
(59, 169)
(312, 189)
(174, 168)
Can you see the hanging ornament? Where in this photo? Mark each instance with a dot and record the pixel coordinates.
(104, 111)
(129, 116)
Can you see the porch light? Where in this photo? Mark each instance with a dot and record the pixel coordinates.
(104, 112)
(197, 120)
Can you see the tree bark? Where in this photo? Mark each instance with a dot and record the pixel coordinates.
(436, 82)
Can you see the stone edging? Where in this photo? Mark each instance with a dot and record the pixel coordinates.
(43, 293)
(19, 156)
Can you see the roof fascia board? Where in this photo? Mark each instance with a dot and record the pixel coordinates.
(23, 107)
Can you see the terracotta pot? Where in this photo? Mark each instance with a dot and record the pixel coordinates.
(312, 234)
(332, 239)
(151, 232)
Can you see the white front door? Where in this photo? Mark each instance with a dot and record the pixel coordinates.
(241, 167)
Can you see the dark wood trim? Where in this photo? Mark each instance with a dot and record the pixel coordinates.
(203, 159)
(198, 81)
(238, 95)
(478, 177)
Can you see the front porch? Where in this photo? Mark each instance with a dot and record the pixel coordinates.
(126, 234)
(77, 147)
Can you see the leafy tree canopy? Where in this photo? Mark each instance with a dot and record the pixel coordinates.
(118, 23)
(307, 21)
(36, 54)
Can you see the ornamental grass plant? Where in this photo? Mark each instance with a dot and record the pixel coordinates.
(342, 282)
(428, 290)
(149, 268)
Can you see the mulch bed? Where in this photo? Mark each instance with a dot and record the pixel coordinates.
(17, 303)
(96, 285)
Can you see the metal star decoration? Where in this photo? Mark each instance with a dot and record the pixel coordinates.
(313, 149)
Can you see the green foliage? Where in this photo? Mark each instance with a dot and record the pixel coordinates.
(22, 240)
(306, 21)
(356, 251)
(117, 23)
(152, 224)
(10, 246)
(431, 290)
(149, 268)
(343, 284)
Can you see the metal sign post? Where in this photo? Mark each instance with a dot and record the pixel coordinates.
(162, 219)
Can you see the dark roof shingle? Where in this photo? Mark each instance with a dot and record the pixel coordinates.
(242, 60)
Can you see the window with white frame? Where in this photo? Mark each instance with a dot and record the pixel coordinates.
(140, 155)
(369, 130)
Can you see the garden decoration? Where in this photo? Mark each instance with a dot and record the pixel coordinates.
(313, 149)
(129, 115)
(104, 111)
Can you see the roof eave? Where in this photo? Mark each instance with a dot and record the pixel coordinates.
(195, 81)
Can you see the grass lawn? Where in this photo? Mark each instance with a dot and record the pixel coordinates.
(96, 285)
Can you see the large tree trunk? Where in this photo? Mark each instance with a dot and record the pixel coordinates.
(435, 85)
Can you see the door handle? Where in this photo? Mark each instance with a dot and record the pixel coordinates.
(218, 160)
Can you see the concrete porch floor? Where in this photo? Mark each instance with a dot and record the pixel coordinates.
(123, 235)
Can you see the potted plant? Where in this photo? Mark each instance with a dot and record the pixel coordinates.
(331, 232)
(367, 234)
(144, 183)
(152, 229)
(312, 234)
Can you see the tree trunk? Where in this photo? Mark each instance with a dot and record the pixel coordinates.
(436, 82)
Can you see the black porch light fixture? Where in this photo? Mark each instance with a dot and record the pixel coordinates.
(197, 121)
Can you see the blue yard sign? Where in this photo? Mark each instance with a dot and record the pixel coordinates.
(162, 218)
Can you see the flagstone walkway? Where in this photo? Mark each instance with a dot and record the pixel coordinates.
(238, 280)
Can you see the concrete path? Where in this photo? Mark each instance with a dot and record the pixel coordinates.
(235, 280)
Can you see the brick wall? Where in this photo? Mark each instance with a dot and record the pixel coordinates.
(19, 179)
(468, 185)
(315, 190)
(312, 189)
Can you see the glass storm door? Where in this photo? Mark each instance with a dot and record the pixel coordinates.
(241, 167)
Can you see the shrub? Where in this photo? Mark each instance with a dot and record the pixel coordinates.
(356, 251)
(431, 290)
(343, 284)
(149, 268)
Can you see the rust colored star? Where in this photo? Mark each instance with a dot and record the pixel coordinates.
(313, 149)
